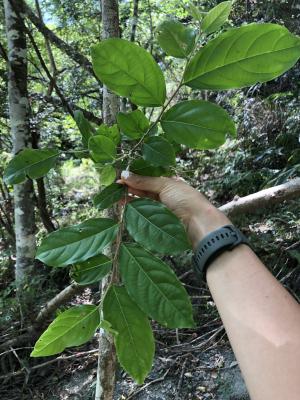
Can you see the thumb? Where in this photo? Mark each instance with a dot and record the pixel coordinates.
(146, 183)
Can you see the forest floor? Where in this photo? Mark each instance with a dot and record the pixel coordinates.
(179, 372)
(193, 364)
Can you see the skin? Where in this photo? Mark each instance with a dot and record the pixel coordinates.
(261, 318)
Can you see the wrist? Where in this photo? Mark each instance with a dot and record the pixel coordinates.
(204, 221)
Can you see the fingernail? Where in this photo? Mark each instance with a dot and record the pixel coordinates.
(125, 174)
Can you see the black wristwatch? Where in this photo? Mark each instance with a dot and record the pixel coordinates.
(211, 246)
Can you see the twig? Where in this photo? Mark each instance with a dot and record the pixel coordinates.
(60, 358)
(180, 379)
(132, 395)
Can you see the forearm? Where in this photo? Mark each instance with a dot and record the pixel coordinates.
(261, 318)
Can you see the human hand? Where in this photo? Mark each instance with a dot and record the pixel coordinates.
(197, 214)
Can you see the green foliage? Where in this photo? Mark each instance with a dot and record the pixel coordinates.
(176, 39)
(142, 167)
(155, 288)
(30, 163)
(107, 174)
(102, 148)
(198, 124)
(238, 58)
(129, 71)
(155, 227)
(242, 57)
(91, 270)
(216, 17)
(109, 196)
(134, 340)
(112, 132)
(133, 124)
(84, 127)
(71, 328)
(77, 243)
(158, 151)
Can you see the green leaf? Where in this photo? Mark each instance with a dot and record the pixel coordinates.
(109, 196)
(198, 124)
(142, 167)
(107, 174)
(243, 57)
(133, 124)
(77, 243)
(155, 227)
(92, 270)
(176, 39)
(84, 127)
(216, 17)
(195, 12)
(71, 328)
(102, 148)
(134, 341)
(153, 285)
(31, 163)
(112, 132)
(158, 151)
(129, 71)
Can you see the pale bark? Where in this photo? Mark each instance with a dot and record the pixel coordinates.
(264, 198)
(107, 354)
(19, 120)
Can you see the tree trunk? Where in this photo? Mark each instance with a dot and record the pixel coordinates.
(107, 354)
(134, 20)
(19, 120)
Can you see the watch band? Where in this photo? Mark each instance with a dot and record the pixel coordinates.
(211, 246)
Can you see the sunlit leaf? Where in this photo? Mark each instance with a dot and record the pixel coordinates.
(216, 17)
(102, 148)
(243, 57)
(133, 124)
(198, 124)
(129, 71)
(71, 328)
(176, 39)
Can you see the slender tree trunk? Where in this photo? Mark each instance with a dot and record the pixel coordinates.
(19, 120)
(134, 19)
(107, 354)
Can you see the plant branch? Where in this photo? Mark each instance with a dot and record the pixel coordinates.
(264, 198)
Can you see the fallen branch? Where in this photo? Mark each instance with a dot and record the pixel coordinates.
(33, 331)
(264, 198)
(61, 298)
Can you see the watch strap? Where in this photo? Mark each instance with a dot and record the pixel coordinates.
(211, 246)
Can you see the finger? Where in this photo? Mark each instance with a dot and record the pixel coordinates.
(144, 183)
(142, 193)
